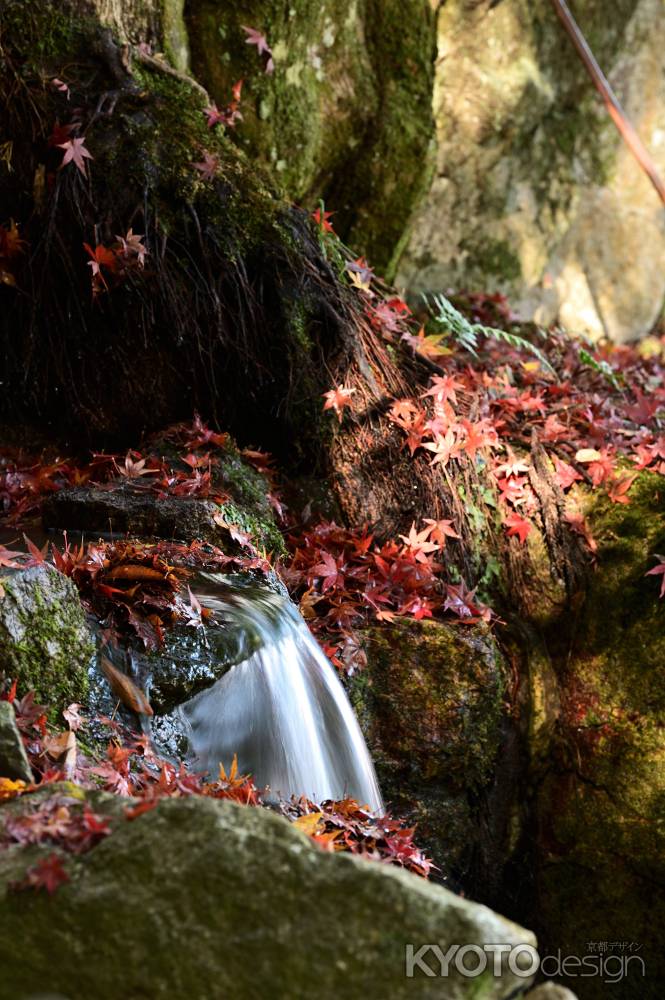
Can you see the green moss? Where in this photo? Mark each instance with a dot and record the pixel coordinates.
(347, 112)
(602, 804)
(44, 35)
(44, 641)
(263, 533)
(176, 44)
(430, 705)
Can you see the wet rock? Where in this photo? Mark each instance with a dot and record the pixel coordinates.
(201, 897)
(124, 512)
(430, 705)
(123, 508)
(45, 644)
(13, 758)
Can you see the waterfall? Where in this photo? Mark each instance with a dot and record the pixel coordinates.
(283, 710)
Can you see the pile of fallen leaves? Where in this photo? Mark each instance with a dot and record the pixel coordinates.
(27, 480)
(344, 576)
(135, 589)
(130, 769)
(348, 826)
(598, 412)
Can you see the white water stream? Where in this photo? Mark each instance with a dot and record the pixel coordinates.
(283, 711)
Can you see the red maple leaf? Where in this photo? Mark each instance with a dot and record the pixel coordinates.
(255, 37)
(513, 465)
(417, 543)
(337, 399)
(565, 475)
(76, 153)
(321, 219)
(208, 166)
(659, 571)
(330, 571)
(512, 490)
(101, 257)
(478, 435)
(444, 447)
(443, 388)
(618, 490)
(46, 874)
(517, 525)
(440, 530)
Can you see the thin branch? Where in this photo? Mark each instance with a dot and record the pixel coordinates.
(163, 67)
(626, 130)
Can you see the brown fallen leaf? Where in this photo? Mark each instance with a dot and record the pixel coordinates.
(131, 571)
(309, 823)
(62, 747)
(125, 689)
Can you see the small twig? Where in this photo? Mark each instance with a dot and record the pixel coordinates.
(616, 112)
(163, 67)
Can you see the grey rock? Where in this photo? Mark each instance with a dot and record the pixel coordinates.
(13, 758)
(120, 512)
(201, 899)
(45, 643)
(535, 194)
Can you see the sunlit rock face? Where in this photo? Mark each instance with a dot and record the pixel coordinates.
(535, 194)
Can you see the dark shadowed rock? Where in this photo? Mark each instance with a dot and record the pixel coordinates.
(430, 702)
(13, 758)
(200, 899)
(122, 512)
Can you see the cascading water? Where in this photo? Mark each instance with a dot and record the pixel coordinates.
(282, 710)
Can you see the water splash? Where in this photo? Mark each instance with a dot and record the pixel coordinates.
(283, 710)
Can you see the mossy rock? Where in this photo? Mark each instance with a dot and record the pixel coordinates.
(206, 898)
(601, 803)
(347, 113)
(430, 702)
(45, 644)
(125, 510)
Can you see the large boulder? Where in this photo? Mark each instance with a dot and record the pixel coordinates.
(598, 763)
(202, 898)
(347, 113)
(535, 194)
(45, 643)
(430, 702)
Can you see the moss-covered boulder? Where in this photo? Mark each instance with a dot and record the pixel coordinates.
(202, 898)
(45, 644)
(346, 115)
(601, 790)
(535, 194)
(430, 702)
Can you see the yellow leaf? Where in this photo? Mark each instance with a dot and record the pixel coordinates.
(358, 282)
(309, 824)
(9, 789)
(587, 455)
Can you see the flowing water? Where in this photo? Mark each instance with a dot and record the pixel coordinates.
(282, 710)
